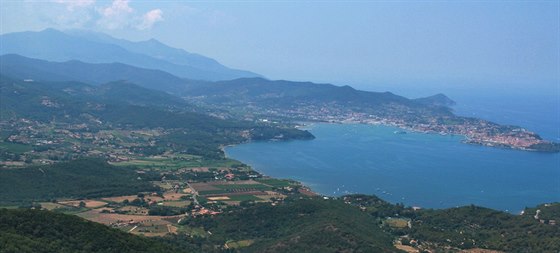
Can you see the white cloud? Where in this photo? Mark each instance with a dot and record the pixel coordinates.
(150, 18)
(67, 13)
(93, 14)
(72, 5)
(117, 8)
(119, 15)
(116, 16)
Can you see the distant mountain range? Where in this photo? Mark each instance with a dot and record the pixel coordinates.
(21, 67)
(96, 58)
(54, 45)
(260, 90)
(237, 92)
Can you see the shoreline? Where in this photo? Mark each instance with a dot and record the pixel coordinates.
(311, 125)
(466, 139)
(301, 183)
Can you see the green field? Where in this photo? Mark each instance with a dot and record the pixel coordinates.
(15, 148)
(181, 203)
(177, 162)
(243, 198)
(397, 222)
(239, 244)
(228, 188)
(279, 183)
(232, 187)
(212, 192)
(194, 231)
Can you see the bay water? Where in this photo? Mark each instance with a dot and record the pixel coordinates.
(424, 170)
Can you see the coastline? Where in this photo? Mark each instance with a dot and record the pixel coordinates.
(305, 186)
(552, 148)
(329, 192)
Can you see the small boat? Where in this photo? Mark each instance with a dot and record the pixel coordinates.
(399, 132)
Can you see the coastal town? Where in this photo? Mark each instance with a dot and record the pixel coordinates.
(34, 142)
(476, 131)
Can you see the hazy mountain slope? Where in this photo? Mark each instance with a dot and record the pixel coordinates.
(287, 96)
(260, 89)
(259, 92)
(239, 91)
(136, 95)
(70, 100)
(79, 102)
(20, 67)
(436, 100)
(54, 45)
(158, 50)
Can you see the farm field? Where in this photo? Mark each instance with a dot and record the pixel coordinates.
(239, 244)
(15, 148)
(176, 203)
(229, 187)
(278, 183)
(130, 198)
(397, 222)
(177, 161)
(88, 203)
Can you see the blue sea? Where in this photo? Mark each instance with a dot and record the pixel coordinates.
(425, 170)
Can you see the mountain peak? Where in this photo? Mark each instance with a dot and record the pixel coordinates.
(439, 99)
(152, 40)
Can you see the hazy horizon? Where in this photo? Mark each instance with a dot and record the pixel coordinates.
(413, 49)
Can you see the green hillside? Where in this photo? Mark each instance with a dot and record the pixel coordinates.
(85, 178)
(299, 225)
(33, 231)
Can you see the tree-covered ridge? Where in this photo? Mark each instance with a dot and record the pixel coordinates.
(117, 104)
(87, 178)
(478, 227)
(66, 112)
(468, 227)
(34, 231)
(298, 225)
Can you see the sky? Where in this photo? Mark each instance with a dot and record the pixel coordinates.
(402, 46)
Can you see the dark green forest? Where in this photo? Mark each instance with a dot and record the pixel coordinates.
(299, 225)
(470, 226)
(86, 178)
(34, 231)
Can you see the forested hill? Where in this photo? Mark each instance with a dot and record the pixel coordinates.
(281, 92)
(117, 103)
(300, 225)
(127, 106)
(360, 223)
(87, 178)
(33, 231)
